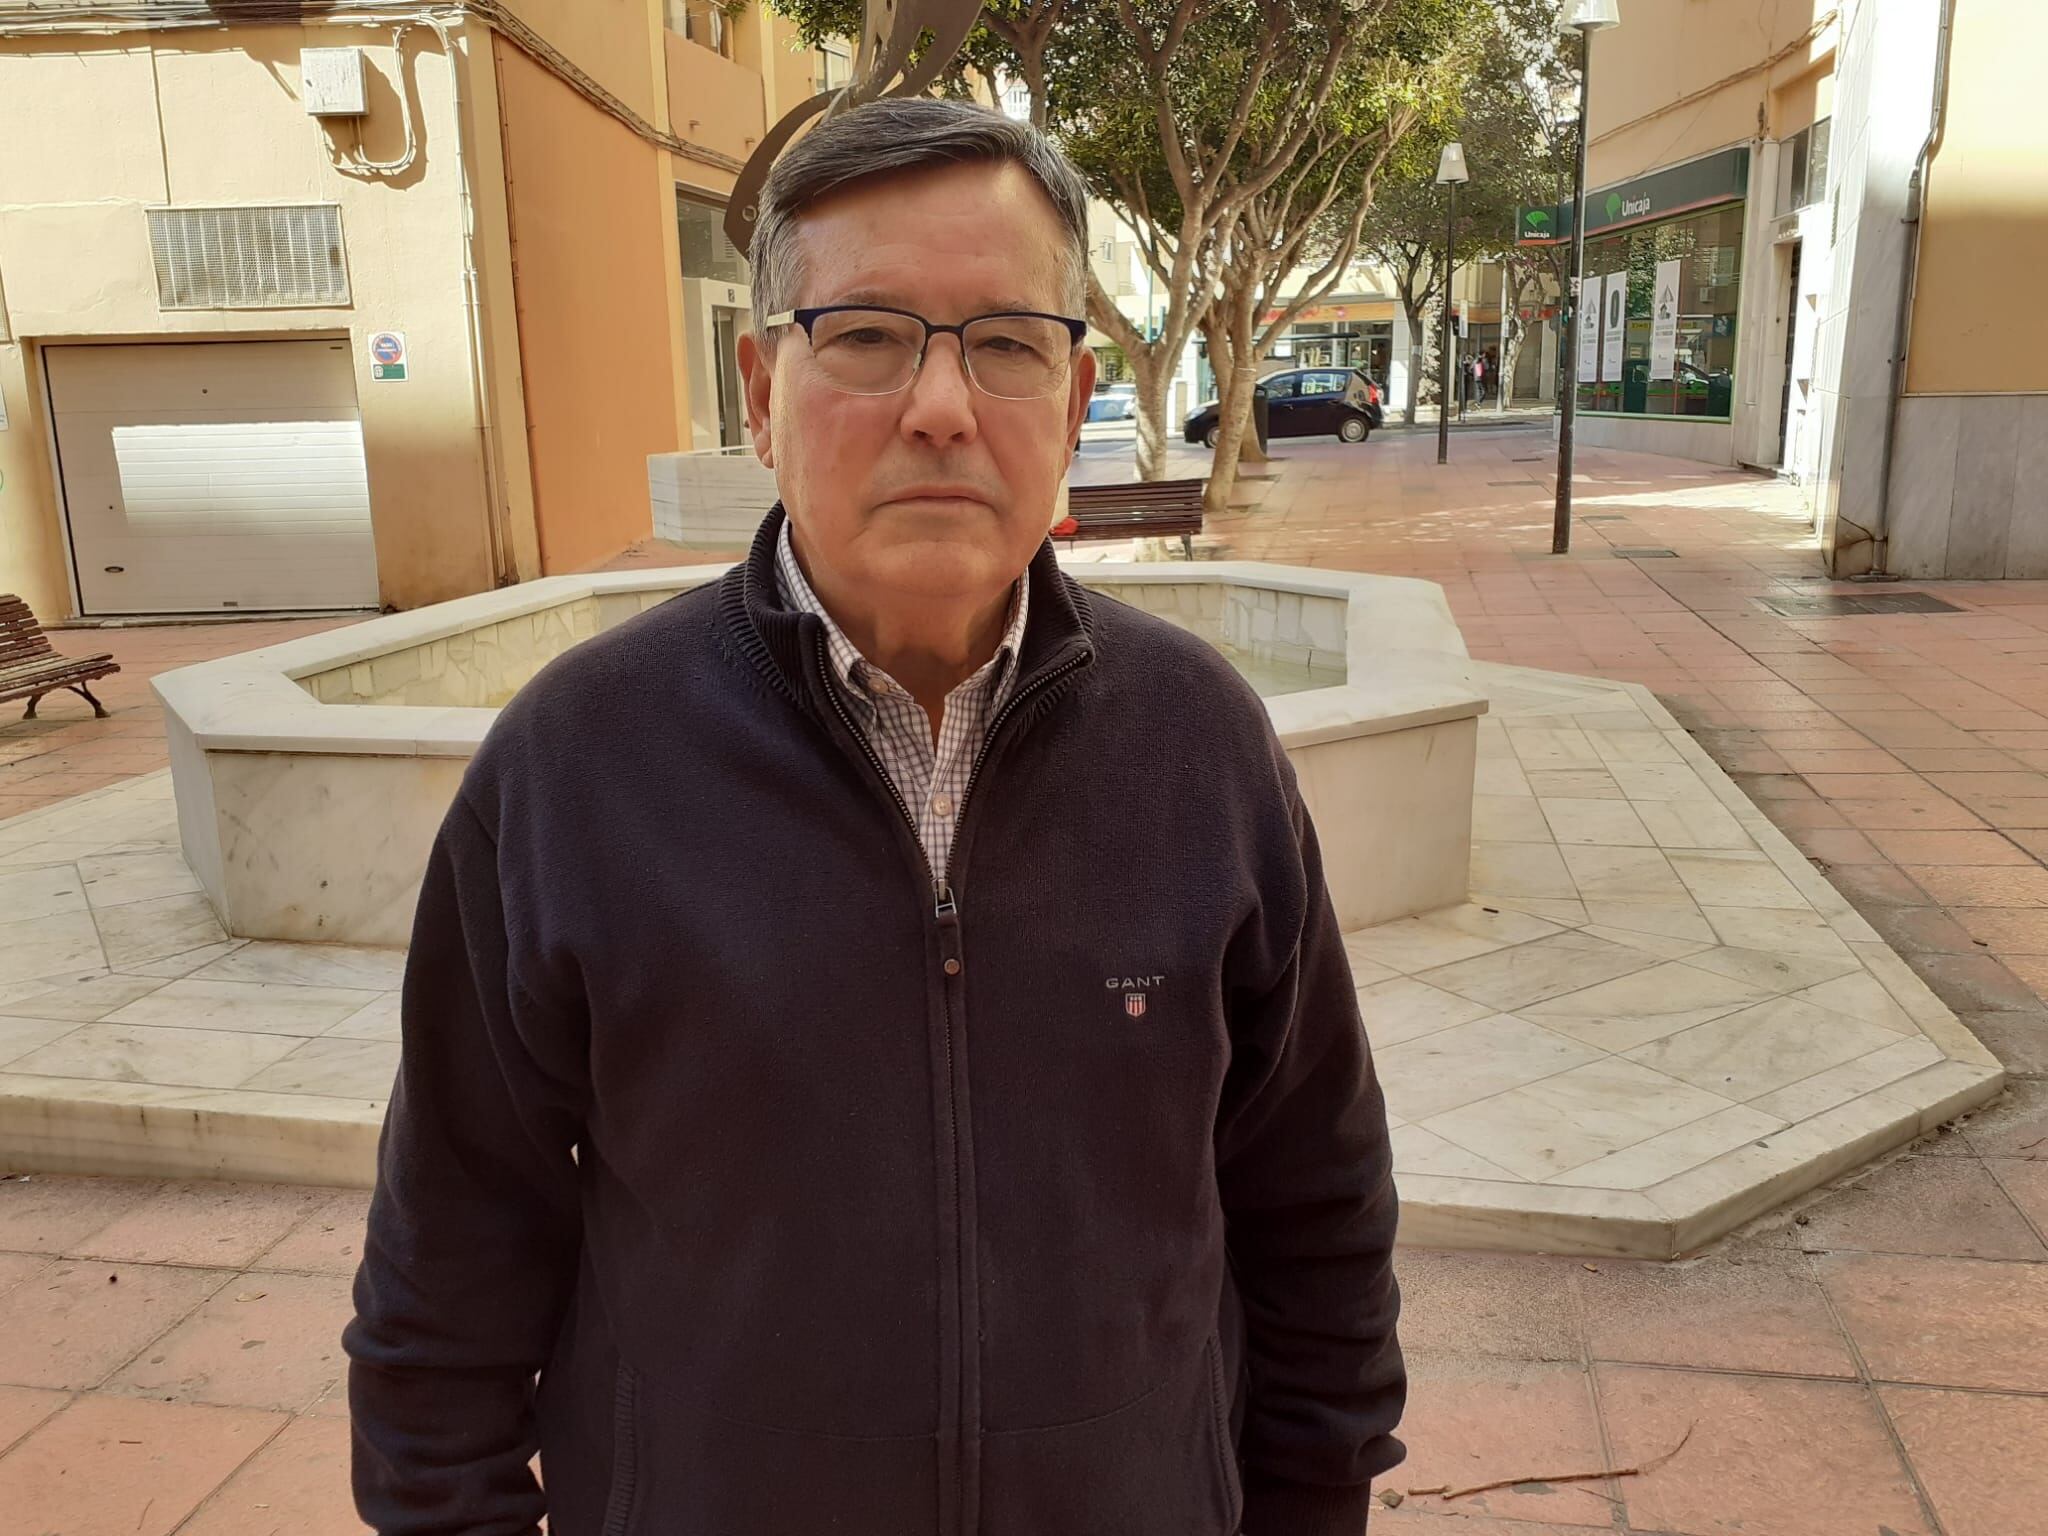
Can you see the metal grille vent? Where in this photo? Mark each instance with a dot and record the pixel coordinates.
(248, 258)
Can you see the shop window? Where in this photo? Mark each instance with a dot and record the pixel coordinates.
(707, 23)
(1707, 248)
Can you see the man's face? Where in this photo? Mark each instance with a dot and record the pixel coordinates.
(938, 493)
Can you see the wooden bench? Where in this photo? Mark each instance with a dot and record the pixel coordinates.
(1134, 509)
(30, 667)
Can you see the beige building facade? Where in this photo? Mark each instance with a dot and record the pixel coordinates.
(341, 314)
(1810, 226)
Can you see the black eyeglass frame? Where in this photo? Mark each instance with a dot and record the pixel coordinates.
(808, 317)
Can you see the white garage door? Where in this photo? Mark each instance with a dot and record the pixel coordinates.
(214, 475)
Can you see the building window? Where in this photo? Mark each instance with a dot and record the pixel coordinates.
(833, 65)
(1803, 166)
(1708, 249)
(706, 251)
(707, 23)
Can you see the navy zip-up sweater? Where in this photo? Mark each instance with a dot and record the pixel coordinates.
(767, 1191)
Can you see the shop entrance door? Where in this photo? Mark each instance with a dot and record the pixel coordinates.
(1791, 335)
(732, 419)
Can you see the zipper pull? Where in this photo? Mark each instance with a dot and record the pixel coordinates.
(944, 907)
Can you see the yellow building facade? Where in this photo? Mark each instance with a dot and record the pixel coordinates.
(343, 314)
(1841, 200)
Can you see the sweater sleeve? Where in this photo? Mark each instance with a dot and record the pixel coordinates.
(475, 1229)
(1305, 1174)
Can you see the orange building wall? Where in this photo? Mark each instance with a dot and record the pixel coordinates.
(592, 288)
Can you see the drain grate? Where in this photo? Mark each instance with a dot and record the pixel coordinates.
(1646, 554)
(1510, 482)
(1530, 458)
(1856, 605)
(1604, 517)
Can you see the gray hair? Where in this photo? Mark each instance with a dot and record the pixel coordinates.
(899, 134)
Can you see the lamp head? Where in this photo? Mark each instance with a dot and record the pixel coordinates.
(1589, 15)
(1450, 165)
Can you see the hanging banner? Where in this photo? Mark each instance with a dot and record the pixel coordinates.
(1614, 327)
(1589, 332)
(1664, 323)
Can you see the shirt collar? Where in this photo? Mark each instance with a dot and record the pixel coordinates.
(847, 661)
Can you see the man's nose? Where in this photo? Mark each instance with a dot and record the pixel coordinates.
(941, 404)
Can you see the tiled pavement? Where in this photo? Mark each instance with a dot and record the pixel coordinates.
(1878, 1362)
(1878, 1366)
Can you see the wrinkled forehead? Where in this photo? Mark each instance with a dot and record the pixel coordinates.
(974, 238)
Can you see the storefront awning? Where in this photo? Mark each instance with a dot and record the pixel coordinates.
(1717, 178)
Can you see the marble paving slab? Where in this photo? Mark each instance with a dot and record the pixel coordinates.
(1652, 1021)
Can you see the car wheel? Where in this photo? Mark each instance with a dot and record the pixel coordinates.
(1352, 430)
(1209, 437)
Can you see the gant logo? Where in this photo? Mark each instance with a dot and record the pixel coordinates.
(1134, 989)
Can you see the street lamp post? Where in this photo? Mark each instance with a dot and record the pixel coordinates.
(1450, 172)
(1584, 17)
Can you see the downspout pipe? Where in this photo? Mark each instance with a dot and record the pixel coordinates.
(1902, 320)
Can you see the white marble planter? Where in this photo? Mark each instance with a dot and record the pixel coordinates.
(310, 776)
(713, 499)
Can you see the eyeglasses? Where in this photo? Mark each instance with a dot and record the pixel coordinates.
(865, 350)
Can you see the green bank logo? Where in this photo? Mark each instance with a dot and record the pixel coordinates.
(1537, 221)
(1614, 205)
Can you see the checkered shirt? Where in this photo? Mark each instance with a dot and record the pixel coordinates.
(931, 781)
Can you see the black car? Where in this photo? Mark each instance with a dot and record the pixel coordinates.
(1307, 402)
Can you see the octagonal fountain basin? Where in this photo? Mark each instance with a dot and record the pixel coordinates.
(311, 776)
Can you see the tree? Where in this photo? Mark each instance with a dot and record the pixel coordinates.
(1296, 239)
(1184, 114)
(1514, 144)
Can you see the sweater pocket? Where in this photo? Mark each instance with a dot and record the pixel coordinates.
(618, 1508)
(1161, 1465)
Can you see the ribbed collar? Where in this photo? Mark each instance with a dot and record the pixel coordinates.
(783, 642)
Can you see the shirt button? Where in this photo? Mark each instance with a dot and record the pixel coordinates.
(942, 805)
(952, 967)
(876, 683)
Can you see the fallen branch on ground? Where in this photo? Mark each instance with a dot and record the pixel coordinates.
(1448, 1492)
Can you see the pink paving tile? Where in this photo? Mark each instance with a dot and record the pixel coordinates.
(1750, 1308)
(1982, 1457)
(1487, 1304)
(2007, 930)
(1835, 845)
(20, 1269)
(264, 1341)
(328, 1240)
(22, 1409)
(1925, 1205)
(72, 1325)
(1410, 1520)
(1870, 760)
(1911, 847)
(1944, 1322)
(109, 1466)
(2026, 1181)
(1762, 1456)
(1901, 785)
(204, 1223)
(298, 1483)
(1936, 814)
(2013, 1126)
(1969, 886)
(1876, 885)
(1956, 760)
(43, 1213)
(1822, 739)
(1473, 1419)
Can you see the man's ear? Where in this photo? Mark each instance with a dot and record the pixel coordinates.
(1079, 389)
(757, 383)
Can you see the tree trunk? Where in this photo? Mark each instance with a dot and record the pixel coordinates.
(1154, 374)
(1418, 352)
(1237, 378)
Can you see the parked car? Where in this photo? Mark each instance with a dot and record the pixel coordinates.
(1307, 402)
(1113, 402)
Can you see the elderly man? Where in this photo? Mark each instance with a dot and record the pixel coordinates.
(878, 1048)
